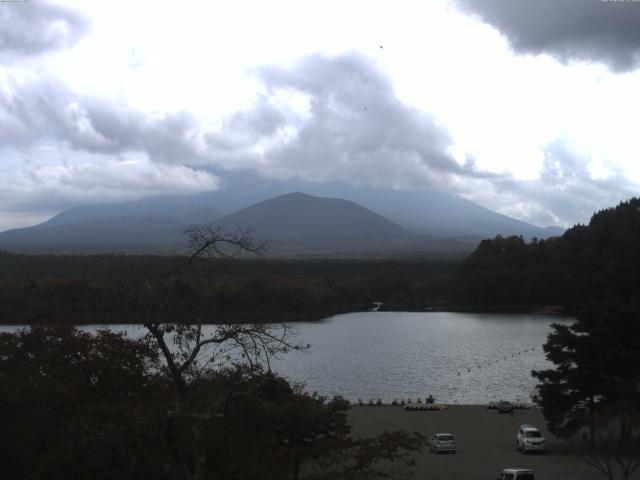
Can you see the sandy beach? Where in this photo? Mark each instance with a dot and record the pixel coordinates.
(485, 440)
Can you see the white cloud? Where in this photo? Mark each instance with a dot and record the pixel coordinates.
(432, 97)
(42, 187)
(32, 28)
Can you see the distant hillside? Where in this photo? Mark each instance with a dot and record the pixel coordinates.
(182, 209)
(589, 262)
(425, 210)
(443, 214)
(303, 224)
(104, 234)
(295, 224)
(297, 215)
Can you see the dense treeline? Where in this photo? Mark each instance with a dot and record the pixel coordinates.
(180, 402)
(588, 263)
(84, 289)
(77, 406)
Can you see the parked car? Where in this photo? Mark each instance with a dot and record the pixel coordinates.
(530, 439)
(517, 474)
(442, 442)
(505, 407)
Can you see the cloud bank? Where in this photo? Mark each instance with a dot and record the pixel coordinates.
(34, 27)
(566, 192)
(322, 118)
(59, 149)
(338, 118)
(348, 124)
(585, 30)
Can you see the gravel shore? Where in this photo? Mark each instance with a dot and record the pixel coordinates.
(485, 440)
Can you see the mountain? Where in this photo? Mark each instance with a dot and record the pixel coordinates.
(294, 224)
(301, 223)
(422, 219)
(298, 215)
(424, 210)
(181, 209)
(443, 214)
(427, 210)
(103, 234)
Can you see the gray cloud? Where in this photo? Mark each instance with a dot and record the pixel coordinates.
(590, 30)
(567, 188)
(565, 193)
(346, 124)
(354, 128)
(31, 193)
(59, 149)
(33, 27)
(46, 111)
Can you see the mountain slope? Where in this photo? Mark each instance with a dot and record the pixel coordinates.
(426, 210)
(442, 214)
(300, 215)
(182, 209)
(103, 234)
(294, 224)
(297, 223)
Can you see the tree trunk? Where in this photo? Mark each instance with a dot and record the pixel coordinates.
(296, 467)
(592, 425)
(199, 455)
(625, 431)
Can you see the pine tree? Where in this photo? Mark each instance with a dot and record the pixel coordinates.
(596, 371)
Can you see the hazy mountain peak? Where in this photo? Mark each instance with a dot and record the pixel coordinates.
(298, 214)
(322, 214)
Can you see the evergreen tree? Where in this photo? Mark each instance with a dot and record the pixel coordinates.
(596, 371)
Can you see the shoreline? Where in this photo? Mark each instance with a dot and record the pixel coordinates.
(318, 316)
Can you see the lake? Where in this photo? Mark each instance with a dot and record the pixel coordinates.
(463, 358)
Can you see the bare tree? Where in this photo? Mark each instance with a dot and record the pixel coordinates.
(614, 461)
(189, 349)
(616, 453)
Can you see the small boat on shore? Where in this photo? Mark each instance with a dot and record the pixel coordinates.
(376, 306)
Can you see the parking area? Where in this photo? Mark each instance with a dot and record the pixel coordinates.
(485, 440)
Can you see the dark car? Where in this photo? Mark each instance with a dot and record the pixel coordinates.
(505, 407)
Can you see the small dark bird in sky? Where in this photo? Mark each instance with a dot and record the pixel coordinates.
(380, 46)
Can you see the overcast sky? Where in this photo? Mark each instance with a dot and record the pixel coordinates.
(527, 107)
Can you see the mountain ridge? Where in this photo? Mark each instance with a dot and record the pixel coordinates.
(294, 224)
(407, 220)
(426, 210)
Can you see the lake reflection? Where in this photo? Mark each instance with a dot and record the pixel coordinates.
(462, 358)
(457, 357)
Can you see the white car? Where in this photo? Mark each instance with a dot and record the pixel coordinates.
(530, 439)
(517, 474)
(442, 442)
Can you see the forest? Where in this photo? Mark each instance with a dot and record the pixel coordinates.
(590, 262)
(106, 406)
(87, 289)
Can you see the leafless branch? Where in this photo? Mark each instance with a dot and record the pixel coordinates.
(180, 341)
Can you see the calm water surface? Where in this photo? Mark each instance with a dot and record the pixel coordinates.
(456, 357)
